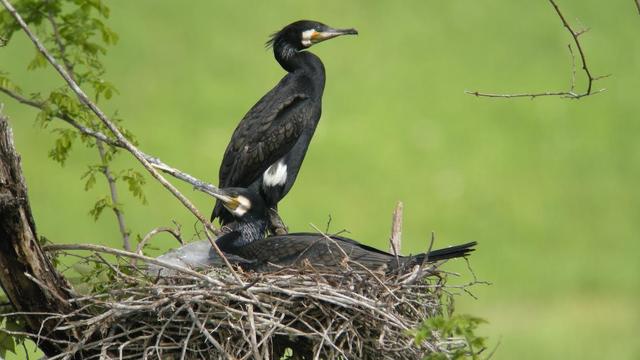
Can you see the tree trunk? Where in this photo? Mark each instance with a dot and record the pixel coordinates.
(21, 256)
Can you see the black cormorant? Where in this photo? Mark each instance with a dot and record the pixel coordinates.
(268, 146)
(247, 240)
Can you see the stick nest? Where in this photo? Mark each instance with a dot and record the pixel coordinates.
(306, 313)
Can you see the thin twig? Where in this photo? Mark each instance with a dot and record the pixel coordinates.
(638, 5)
(120, 137)
(175, 232)
(252, 335)
(58, 40)
(571, 93)
(395, 241)
(205, 332)
(46, 288)
(150, 260)
(113, 191)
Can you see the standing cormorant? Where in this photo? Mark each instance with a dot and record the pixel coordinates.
(268, 146)
(247, 240)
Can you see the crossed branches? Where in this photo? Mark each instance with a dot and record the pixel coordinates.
(571, 93)
(150, 163)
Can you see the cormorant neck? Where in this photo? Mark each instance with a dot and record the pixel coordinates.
(293, 60)
(243, 232)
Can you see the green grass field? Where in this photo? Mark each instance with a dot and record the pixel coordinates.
(548, 187)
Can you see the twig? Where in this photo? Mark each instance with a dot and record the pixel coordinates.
(46, 288)
(638, 5)
(205, 332)
(58, 40)
(252, 336)
(120, 137)
(175, 232)
(113, 191)
(150, 260)
(571, 93)
(186, 341)
(395, 242)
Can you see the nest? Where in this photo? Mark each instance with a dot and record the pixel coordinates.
(347, 312)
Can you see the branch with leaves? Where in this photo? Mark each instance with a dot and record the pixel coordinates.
(119, 134)
(197, 184)
(78, 37)
(571, 93)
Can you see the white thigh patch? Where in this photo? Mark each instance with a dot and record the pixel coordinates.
(275, 175)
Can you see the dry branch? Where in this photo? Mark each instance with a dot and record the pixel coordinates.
(571, 93)
(395, 242)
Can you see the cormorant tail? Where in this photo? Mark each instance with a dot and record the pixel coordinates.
(451, 252)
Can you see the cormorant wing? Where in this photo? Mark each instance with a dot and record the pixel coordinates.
(266, 133)
(291, 249)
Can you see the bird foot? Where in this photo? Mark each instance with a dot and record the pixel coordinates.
(276, 225)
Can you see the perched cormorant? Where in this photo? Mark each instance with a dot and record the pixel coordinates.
(268, 146)
(247, 240)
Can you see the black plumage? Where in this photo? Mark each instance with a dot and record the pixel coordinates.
(269, 144)
(247, 241)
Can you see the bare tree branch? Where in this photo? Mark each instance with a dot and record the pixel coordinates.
(638, 5)
(571, 93)
(84, 99)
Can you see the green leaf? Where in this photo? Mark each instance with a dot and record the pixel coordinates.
(459, 326)
(135, 181)
(99, 207)
(63, 144)
(39, 61)
(82, 268)
(90, 177)
(6, 344)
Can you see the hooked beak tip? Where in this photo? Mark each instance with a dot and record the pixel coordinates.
(350, 32)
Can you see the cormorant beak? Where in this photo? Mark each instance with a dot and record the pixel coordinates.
(319, 36)
(229, 202)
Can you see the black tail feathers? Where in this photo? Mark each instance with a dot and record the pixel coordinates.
(451, 252)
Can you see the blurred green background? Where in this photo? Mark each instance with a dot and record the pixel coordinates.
(549, 187)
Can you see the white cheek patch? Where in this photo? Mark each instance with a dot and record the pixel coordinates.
(275, 175)
(240, 211)
(306, 37)
(243, 201)
(244, 205)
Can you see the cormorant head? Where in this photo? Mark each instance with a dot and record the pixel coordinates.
(303, 34)
(242, 203)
